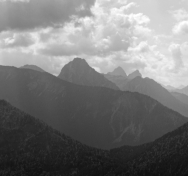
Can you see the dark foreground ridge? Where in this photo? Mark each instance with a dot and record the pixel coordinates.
(29, 147)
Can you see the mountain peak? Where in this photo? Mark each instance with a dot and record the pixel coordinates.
(135, 74)
(79, 72)
(79, 63)
(119, 71)
(79, 60)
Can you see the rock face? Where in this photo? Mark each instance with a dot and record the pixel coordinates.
(32, 67)
(118, 72)
(79, 72)
(96, 116)
(134, 74)
(151, 88)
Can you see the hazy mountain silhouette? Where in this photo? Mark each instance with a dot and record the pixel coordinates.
(183, 90)
(153, 89)
(118, 72)
(134, 74)
(170, 88)
(79, 72)
(181, 97)
(118, 77)
(33, 67)
(96, 116)
(120, 81)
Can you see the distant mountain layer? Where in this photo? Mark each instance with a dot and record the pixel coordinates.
(118, 72)
(96, 116)
(29, 147)
(134, 75)
(181, 97)
(79, 72)
(183, 90)
(120, 81)
(151, 88)
(32, 67)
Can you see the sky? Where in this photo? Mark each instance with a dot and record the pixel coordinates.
(148, 35)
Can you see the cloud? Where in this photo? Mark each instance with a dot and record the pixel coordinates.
(17, 40)
(25, 15)
(142, 47)
(175, 50)
(109, 30)
(180, 14)
(181, 28)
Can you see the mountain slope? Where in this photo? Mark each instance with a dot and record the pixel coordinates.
(79, 72)
(29, 147)
(166, 156)
(96, 116)
(151, 88)
(32, 67)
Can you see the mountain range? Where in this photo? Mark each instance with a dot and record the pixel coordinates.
(137, 125)
(96, 116)
(77, 70)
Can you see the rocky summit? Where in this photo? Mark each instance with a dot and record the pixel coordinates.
(79, 72)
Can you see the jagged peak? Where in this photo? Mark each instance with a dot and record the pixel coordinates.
(134, 74)
(118, 71)
(137, 71)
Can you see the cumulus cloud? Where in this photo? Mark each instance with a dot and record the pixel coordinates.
(109, 30)
(30, 14)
